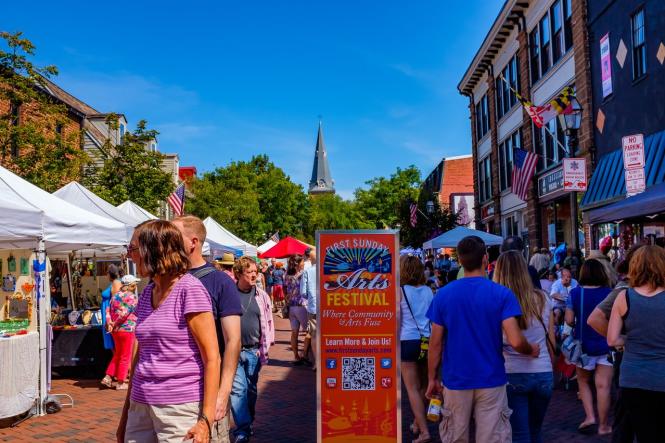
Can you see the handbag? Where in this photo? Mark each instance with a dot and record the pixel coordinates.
(572, 347)
(424, 341)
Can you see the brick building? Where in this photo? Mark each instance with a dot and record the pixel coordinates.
(539, 47)
(451, 182)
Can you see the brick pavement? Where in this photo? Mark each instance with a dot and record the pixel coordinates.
(286, 409)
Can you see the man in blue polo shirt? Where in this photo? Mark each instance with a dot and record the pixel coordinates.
(468, 317)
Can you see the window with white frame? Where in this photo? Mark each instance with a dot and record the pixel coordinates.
(548, 142)
(505, 97)
(482, 118)
(485, 179)
(506, 147)
(551, 38)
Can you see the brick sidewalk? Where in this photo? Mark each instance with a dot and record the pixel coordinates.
(286, 409)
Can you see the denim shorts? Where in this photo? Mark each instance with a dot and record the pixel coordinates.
(410, 350)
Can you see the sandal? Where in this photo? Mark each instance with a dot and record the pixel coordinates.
(587, 428)
(107, 381)
(424, 438)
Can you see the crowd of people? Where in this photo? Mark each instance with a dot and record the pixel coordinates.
(500, 333)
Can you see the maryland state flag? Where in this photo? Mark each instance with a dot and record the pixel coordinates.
(561, 104)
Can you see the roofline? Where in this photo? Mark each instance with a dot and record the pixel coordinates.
(458, 157)
(499, 22)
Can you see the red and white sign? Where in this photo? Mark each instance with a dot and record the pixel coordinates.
(635, 182)
(633, 151)
(574, 174)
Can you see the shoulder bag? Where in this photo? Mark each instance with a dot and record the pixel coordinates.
(424, 341)
(572, 347)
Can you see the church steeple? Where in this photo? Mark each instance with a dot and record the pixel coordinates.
(321, 181)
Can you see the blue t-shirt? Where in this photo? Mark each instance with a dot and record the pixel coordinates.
(225, 298)
(471, 310)
(592, 342)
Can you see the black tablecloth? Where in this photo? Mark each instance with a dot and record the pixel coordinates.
(83, 346)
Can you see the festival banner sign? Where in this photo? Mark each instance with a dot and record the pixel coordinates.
(606, 65)
(358, 383)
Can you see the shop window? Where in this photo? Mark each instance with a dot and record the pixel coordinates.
(511, 226)
(485, 179)
(639, 45)
(513, 141)
(482, 118)
(505, 97)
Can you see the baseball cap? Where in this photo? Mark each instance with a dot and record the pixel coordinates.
(129, 279)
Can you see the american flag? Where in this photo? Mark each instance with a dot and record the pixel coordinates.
(524, 165)
(177, 200)
(275, 237)
(414, 214)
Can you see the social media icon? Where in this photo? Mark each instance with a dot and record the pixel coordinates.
(386, 363)
(331, 382)
(331, 363)
(386, 382)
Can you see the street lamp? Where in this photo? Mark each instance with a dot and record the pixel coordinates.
(430, 207)
(570, 123)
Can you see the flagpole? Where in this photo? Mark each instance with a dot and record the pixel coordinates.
(544, 126)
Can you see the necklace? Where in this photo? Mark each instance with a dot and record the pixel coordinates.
(251, 298)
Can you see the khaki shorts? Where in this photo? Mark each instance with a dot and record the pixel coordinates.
(311, 325)
(488, 407)
(168, 423)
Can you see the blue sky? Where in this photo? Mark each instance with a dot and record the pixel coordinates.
(222, 80)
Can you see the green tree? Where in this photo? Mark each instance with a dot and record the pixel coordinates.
(253, 199)
(380, 204)
(37, 139)
(428, 224)
(330, 211)
(131, 171)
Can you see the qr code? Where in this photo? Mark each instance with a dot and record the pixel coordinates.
(358, 374)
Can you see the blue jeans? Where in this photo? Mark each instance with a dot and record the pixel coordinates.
(244, 391)
(528, 397)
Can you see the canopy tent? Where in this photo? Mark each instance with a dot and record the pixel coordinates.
(135, 211)
(218, 234)
(451, 238)
(286, 247)
(33, 219)
(29, 214)
(267, 245)
(214, 249)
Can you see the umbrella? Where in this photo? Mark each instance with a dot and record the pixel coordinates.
(285, 248)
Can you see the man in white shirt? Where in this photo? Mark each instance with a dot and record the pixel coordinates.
(309, 288)
(559, 292)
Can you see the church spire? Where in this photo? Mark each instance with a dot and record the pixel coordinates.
(321, 181)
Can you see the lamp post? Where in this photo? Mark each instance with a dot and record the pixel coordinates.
(430, 207)
(571, 123)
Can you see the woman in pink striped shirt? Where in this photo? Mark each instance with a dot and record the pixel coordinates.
(176, 364)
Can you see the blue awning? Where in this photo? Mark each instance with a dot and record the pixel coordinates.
(608, 183)
(647, 203)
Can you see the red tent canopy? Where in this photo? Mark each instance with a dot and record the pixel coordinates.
(286, 247)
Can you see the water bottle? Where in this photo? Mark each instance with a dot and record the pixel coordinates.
(434, 408)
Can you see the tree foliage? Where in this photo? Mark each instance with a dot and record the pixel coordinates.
(130, 171)
(329, 211)
(428, 225)
(37, 140)
(380, 204)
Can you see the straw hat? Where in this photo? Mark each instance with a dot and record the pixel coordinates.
(227, 259)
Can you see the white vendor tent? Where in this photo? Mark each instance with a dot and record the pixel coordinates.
(77, 194)
(218, 234)
(451, 238)
(33, 219)
(267, 245)
(29, 214)
(135, 211)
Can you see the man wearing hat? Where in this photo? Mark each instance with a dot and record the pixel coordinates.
(226, 309)
(226, 262)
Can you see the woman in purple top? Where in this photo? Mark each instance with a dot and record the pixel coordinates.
(176, 365)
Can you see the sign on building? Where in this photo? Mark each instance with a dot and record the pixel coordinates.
(574, 174)
(633, 163)
(633, 151)
(635, 181)
(606, 65)
(550, 183)
(358, 378)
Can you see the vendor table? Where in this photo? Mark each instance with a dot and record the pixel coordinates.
(80, 346)
(19, 373)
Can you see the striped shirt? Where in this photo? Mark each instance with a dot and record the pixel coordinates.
(169, 369)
